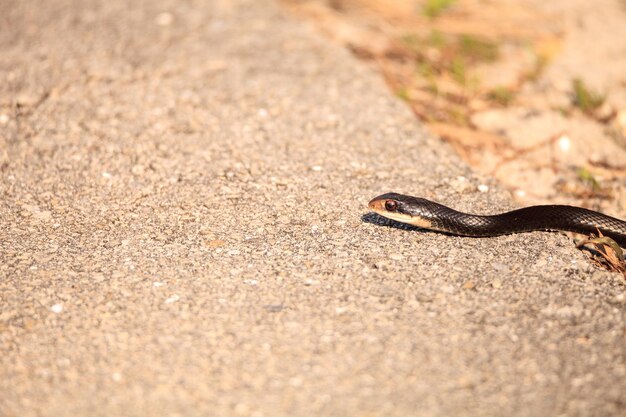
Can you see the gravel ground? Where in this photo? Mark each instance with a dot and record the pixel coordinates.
(184, 231)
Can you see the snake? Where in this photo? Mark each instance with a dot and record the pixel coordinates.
(430, 215)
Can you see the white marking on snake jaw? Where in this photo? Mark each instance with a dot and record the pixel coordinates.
(405, 218)
(421, 222)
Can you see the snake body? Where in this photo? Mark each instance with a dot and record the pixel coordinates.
(430, 215)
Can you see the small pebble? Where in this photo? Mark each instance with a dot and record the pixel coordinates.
(216, 243)
(164, 19)
(469, 285)
(461, 185)
(382, 175)
(138, 169)
(172, 299)
(295, 381)
(565, 143)
(57, 308)
(448, 289)
(273, 308)
(380, 264)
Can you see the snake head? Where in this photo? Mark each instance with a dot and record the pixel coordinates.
(401, 208)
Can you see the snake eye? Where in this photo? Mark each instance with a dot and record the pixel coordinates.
(391, 205)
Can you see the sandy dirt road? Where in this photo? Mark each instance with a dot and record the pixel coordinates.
(184, 231)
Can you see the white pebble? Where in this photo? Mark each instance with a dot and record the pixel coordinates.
(295, 381)
(483, 188)
(316, 168)
(57, 308)
(172, 299)
(158, 284)
(4, 119)
(164, 19)
(565, 143)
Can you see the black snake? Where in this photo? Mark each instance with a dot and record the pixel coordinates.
(430, 215)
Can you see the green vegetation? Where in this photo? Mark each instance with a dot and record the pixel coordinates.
(412, 41)
(587, 177)
(426, 70)
(434, 8)
(502, 95)
(403, 93)
(584, 98)
(459, 117)
(429, 73)
(477, 49)
(437, 39)
(458, 71)
(416, 43)
(438, 54)
(541, 63)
